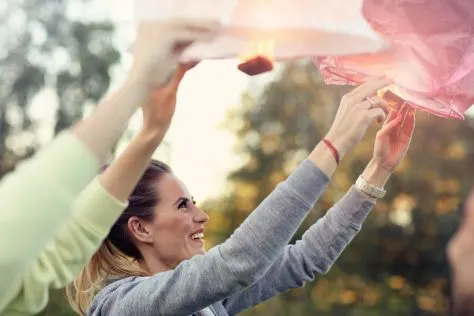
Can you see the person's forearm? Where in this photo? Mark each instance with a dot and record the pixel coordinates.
(122, 175)
(102, 130)
(268, 229)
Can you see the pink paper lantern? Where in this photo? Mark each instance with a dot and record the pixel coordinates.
(431, 59)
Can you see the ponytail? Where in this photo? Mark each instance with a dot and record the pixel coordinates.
(106, 264)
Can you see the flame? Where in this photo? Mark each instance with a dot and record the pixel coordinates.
(391, 95)
(264, 48)
(394, 88)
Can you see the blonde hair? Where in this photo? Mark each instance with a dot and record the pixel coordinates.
(107, 263)
(118, 256)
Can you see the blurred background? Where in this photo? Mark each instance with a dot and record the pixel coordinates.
(232, 140)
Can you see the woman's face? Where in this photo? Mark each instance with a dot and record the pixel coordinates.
(178, 224)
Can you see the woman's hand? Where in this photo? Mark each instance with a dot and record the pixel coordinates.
(391, 145)
(357, 111)
(393, 140)
(159, 110)
(159, 46)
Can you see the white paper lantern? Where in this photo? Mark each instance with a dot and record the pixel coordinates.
(278, 29)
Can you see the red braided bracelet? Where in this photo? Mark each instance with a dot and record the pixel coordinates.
(333, 150)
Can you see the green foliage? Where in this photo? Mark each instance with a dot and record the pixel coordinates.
(44, 49)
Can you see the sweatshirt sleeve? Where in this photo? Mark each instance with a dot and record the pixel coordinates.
(94, 212)
(36, 200)
(314, 254)
(226, 269)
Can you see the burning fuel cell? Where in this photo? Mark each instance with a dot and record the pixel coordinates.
(259, 58)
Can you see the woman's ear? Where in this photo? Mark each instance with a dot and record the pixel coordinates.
(139, 230)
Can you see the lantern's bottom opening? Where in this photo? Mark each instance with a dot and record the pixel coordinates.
(288, 43)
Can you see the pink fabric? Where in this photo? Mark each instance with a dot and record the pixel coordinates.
(432, 57)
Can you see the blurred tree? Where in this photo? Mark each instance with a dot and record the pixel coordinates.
(51, 54)
(53, 63)
(396, 265)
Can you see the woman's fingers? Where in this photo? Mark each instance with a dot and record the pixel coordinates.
(391, 126)
(377, 114)
(391, 116)
(368, 89)
(376, 102)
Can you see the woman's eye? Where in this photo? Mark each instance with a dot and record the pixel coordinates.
(185, 203)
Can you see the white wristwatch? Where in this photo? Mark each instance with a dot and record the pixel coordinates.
(369, 189)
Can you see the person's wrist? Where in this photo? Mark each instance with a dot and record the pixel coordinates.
(141, 75)
(146, 141)
(338, 143)
(137, 81)
(151, 132)
(376, 174)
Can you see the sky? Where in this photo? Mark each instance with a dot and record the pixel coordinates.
(201, 148)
